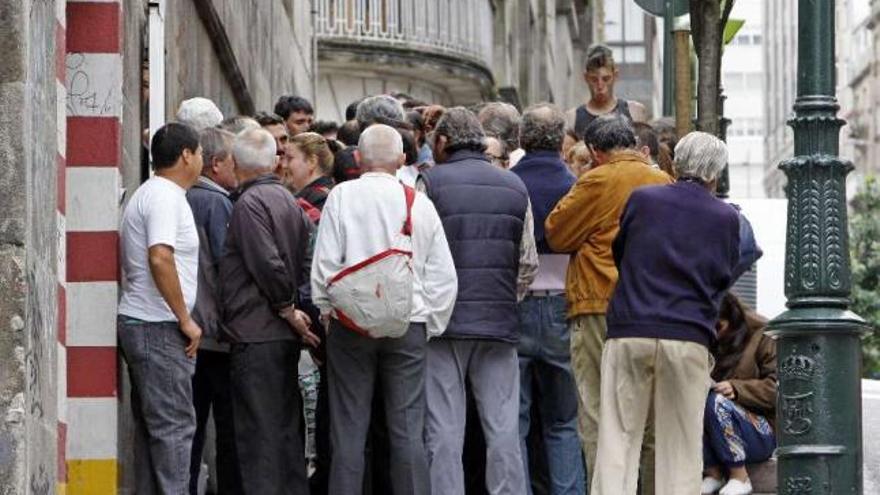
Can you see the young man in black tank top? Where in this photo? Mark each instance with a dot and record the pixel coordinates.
(600, 74)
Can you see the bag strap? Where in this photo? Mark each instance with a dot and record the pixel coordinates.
(410, 194)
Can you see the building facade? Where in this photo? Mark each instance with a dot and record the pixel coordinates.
(780, 67)
(451, 52)
(857, 77)
(742, 78)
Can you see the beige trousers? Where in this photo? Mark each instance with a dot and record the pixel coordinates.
(587, 341)
(671, 375)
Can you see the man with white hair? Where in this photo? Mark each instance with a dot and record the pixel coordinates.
(676, 253)
(360, 219)
(260, 272)
(199, 113)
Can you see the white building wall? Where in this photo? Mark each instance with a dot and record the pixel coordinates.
(780, 85)
(742, 77)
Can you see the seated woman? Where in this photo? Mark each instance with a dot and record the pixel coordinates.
(741, 406)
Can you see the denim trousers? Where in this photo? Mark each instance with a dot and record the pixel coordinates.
(161, 402)
(734, 436)
(546, 381)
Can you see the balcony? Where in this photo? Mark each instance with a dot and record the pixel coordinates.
(437, 50)
(455, 28)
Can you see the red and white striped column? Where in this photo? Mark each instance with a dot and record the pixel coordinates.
(61, 113)
(93, 69)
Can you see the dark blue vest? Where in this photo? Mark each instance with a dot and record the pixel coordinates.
(483, 210)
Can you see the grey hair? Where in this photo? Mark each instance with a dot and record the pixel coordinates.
(700, 155)
(502, 121)
(199, 113)
(216, 143)
(462, 130)
(610, 132)
(239, 123)
(379, 108)
(380, 145)
(254, 149)
(543, 128)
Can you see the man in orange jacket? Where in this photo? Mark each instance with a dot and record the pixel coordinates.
(584, 223)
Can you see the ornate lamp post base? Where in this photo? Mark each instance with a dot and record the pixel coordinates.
(819, 423)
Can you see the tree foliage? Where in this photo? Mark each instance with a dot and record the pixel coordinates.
(864, 232)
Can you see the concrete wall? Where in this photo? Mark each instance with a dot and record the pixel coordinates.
(28, 247)
(270, 41)
(132, 171)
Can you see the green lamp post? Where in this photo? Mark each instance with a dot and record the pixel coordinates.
(819, 404)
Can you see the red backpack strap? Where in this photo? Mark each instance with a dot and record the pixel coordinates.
(410, 199)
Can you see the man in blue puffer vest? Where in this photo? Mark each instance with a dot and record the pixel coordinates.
(488, 223)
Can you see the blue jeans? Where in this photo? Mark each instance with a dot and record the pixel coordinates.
(161, 402)
(545, 368)
(734, 436)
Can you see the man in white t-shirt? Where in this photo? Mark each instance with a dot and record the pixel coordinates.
(157, 335)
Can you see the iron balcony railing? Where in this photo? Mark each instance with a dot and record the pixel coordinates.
(453, 27)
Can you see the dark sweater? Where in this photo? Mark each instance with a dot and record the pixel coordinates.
(676, 251)
(547, 179)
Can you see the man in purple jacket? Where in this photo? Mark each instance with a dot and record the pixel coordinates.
(676, 253)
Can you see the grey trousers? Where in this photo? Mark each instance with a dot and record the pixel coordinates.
(267, 415)
(354, 363)
(492, 369)
(161, 401)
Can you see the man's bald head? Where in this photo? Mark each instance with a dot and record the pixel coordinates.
(380, 148)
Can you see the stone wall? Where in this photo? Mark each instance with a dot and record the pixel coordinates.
(28, 248)
(269, 48)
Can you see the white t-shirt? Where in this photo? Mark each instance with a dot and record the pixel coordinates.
(158, 213)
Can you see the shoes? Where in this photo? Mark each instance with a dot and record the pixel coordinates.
(710, 485)
(737, 487)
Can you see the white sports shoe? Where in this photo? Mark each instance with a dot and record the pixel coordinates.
(737, 487)
(710, 485)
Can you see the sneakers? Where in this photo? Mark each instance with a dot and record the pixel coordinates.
(737, 487)
(710, 485)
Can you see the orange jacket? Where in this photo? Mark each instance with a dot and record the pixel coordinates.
(585, 222)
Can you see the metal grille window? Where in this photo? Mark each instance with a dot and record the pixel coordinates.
(456, 27)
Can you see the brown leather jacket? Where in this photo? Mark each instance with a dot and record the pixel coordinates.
(754, 378)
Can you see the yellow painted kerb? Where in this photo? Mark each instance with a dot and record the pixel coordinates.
(91, 477)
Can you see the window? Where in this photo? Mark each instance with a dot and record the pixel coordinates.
(625, 31)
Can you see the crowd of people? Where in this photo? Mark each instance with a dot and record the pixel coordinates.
(494, 302)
